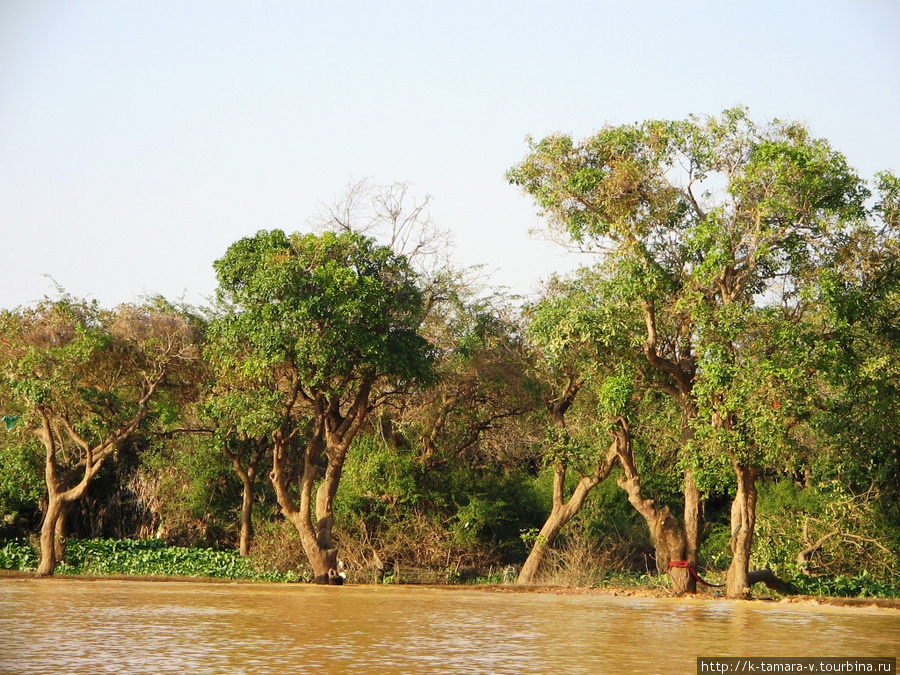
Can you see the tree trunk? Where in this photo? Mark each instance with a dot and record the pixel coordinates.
(301, 516)
(693, 516)
(59, 502)
(332, 435)
(59, 533)
(563, 511)
(316, 541)
(665, 534)
(246, 515)
(325, 568)
(743, 519)
(682, 374)
(64, 487)
(248, 480)
(55, 507)
(693, 505)
(560, 514)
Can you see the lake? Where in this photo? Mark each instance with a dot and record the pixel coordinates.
(130, 627)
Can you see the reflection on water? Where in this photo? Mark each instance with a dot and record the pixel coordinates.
(127, 628)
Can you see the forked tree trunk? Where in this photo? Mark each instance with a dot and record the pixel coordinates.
(323, 561)
(318, 541)
(743, 520)
(563, 511)
(332, 435)
(53, 528)
(59, 497)
(53, 531)
(248, 481)
(64, 486)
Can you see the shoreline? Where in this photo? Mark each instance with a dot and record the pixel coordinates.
(612, 591)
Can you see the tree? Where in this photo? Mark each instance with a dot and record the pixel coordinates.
(393, 218)
(324, 327)
(577, 334)
(239, 413)
(84, 380)
(709, 219)
(852, 410)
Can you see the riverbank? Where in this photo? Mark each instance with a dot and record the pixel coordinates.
(638, 592)
(154, 560)
(608, 591)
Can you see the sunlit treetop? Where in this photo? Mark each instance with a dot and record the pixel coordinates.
(720, 199)
(334, 308)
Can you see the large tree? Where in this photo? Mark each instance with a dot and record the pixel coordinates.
(709, 219)
(324, 326)
(84, 380)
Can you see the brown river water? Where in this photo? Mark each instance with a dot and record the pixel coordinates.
(131, 627)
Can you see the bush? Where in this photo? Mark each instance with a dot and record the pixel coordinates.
(861, 585)
(195, 492)
(18, 555)
(21, 483)
(454, 515)
(840, 532)
(143, 557)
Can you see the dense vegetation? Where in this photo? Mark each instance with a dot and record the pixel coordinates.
(717, 392)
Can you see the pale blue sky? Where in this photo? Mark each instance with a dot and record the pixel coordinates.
(139, 139)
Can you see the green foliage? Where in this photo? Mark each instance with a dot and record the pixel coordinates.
(532, 535)
(72, 359)
(479, 518)
(151, 557)
(330, 305)
(615, 394)
(859, 585)
(629, 579)
(584, 322)
(21, 478)
(578, 450)
(145, 557)
(888, 206)
(851, 548)
(18, 555)
(490, 510)
(198, 494)
(389, 502)
(377, 481)
(843, 532)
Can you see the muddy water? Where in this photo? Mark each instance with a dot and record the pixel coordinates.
(127, 628)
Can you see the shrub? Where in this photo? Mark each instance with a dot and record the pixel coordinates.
(18, 555)
(143, 557)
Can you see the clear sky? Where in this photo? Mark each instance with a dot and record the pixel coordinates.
(139, 139)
